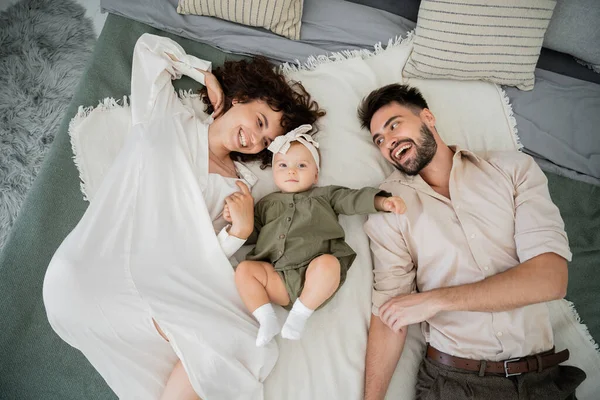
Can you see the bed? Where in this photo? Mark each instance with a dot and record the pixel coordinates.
(37, 364)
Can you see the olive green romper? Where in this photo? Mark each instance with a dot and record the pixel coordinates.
(294, 228)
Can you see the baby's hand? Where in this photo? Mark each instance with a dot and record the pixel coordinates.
(226, 213)
(394, 204)
(241, 210)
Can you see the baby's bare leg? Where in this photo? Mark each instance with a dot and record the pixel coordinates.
(321, 281)
(258, 285)
(178, 386)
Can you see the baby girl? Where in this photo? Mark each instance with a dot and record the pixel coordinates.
(300, 259)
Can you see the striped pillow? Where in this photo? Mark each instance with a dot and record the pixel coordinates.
(282, 17)
(492, 40)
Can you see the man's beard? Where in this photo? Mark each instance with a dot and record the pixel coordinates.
(424, 153)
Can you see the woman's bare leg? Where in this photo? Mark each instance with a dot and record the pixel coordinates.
(178, 386)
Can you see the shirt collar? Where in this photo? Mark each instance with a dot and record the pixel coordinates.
(468, 153)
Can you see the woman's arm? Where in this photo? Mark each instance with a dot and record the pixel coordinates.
(229, 243)
(156, 61)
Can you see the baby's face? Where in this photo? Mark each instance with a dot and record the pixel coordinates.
(296, 170)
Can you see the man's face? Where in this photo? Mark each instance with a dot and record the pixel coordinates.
(403, 137)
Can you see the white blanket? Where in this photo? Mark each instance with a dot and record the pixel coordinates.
(328, 363)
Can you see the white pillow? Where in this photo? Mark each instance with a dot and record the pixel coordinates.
(472, 114)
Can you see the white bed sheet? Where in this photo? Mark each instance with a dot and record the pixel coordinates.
(328, 363)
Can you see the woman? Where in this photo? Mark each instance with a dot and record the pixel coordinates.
(144, 265)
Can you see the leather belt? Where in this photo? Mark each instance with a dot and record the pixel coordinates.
(512, 367)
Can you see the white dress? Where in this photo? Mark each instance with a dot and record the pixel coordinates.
(146, 248)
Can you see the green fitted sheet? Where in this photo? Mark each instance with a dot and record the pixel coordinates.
(36, 364)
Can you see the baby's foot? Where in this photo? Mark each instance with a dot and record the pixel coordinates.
(296, 321)
(269, 325)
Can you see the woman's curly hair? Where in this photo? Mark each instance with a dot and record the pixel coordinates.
(257, 80)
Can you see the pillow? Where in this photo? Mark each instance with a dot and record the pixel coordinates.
(282, 17)
(474, 115)
(497, 40)
(574, 30)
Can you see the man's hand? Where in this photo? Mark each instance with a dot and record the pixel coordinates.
(409, 309)
(240, 206)
(393, 204)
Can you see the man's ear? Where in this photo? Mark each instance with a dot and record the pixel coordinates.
(428, 118)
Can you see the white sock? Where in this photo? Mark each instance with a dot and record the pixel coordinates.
(296, 320)
(269, 325)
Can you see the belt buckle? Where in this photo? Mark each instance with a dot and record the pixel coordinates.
(506, 367)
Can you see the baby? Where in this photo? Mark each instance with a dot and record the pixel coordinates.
(300, 259)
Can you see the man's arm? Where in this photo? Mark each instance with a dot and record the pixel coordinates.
(543, 278)
(541, 245)
(394, 273)
(384, 348)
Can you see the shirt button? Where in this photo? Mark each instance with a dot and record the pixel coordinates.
(486, 268)
(282, 236)
(473, 236)
(499, 334)
(288, 219)
(291, 205)
(457, 207)
(280, 253)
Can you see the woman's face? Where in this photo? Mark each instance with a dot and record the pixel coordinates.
(250, 127)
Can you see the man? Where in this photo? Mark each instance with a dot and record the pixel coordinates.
(479, 249)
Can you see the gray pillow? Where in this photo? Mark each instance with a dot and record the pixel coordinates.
(574, 29)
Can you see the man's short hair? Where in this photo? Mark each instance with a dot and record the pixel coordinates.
(404, 95)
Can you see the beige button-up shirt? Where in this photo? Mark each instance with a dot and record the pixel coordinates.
(500, 215)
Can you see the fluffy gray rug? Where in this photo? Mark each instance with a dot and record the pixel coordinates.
(44, 47)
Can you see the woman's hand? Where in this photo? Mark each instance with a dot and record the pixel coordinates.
(240, 207)
(215, 92)
(213, 87)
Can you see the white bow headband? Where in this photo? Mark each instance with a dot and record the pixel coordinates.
(282, 144)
